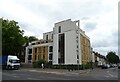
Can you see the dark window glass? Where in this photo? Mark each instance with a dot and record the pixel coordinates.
(46, 37)
(30, 51)
(50, 56)
(29, 57)
(77, 37)
(51, 49)
(52, 36)
(77, 41)
(77, 46)
(59, 60)
(15, 61)
(59, 29)
(43, 56)
(35, 50)
(35, 57)
(44, 49)
(33, 43)
(61, 49)
(77, 56)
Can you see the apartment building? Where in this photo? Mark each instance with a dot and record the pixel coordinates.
(37, 50)
(69, 44)
(98, 59)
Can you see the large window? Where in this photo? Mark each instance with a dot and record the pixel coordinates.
(30, 51)
(50, 56)
(35, 50)
(43, 56)
(61, 49)
(29, 57)
(46, 37)
(52, 36)
(59, 29)
(44, 49)
(51, 49)
(35, 57)
(77, 56)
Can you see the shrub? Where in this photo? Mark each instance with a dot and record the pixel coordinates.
(38, 63)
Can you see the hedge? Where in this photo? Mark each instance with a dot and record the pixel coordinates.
(70, 66)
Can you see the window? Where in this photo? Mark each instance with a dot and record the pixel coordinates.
(14, 61)
(59, 60)
(38, 42)
(77, 46)
(59, 29)
(50, 56)
(77, 41)
(43, 56)
(78, 61)
(51, 49)
(44, 49)
(30, 51)
(77, 37)
(46, 37)
(77, 51)
(52, 36)
(35, 57)
(35, 50)
(33, 43)
(77, 56)
(29, 57)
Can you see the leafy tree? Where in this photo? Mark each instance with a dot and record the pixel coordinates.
(32, 38)
(112, 57)
(29, 39)
(12, 37)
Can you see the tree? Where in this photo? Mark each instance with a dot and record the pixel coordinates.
(29, 39)
(112, 57)
(12, 37)
(32, 38)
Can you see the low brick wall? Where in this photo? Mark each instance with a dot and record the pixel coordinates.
(27, 65)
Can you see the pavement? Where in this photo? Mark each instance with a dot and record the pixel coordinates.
(58, 71)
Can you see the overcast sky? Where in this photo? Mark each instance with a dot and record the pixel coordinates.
(98, 18)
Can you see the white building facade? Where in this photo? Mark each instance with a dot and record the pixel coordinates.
(66, 42)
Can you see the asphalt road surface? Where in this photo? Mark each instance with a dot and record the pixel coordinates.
(27, 74)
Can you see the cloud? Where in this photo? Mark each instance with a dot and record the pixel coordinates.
(90, 26)
(98, 18)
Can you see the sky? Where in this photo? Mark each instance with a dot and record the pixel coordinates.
(98, 18)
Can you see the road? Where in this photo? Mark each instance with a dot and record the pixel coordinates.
(31, 74)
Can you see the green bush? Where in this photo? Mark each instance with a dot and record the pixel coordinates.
(38, 64)
(70, 66)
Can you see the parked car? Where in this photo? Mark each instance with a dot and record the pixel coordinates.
(113, 65)
(108, 66)
(104, 66)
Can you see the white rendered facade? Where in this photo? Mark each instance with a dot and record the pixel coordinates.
(72, 48)
(66, 42)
